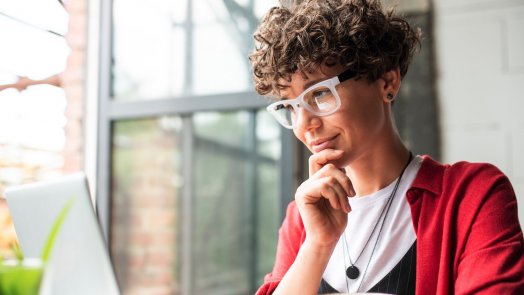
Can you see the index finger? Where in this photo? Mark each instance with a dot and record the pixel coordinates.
(318, 160)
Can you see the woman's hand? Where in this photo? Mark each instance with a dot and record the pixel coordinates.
(322, 199)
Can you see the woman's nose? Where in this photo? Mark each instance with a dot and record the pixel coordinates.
(306, 120)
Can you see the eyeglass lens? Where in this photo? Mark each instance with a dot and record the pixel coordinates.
(318, 101)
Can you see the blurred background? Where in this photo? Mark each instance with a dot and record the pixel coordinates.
(189, 174)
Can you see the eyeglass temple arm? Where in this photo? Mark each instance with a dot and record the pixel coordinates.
(346, 75)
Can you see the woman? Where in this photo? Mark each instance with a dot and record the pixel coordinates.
(372, 217)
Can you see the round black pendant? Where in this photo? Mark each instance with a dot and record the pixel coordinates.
(352, 272)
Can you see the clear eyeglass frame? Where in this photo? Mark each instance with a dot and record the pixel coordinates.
(330, 83)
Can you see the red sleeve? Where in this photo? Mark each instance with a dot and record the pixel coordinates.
(492, 256)
(291, 235)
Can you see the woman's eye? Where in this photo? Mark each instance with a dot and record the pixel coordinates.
(289, 108)
(286, 107)
(319, 93)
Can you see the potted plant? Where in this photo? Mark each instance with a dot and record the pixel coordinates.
(23, 276)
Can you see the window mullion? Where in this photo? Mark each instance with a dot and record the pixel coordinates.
(186, 211)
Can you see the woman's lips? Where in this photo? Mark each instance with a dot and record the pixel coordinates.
(323, 143)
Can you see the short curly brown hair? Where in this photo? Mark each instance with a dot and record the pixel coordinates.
(358, 34)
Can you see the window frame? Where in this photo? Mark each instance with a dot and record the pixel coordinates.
(110, 110)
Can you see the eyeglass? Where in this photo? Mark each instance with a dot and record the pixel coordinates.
(321, 100)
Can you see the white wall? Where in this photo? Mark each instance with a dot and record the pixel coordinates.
(480, 81)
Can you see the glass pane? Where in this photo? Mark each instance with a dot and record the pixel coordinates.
(168, 48)
(222, 225)
(221, 45)
(222, 42)
(149, 51)
(145, 205)
(236, 202)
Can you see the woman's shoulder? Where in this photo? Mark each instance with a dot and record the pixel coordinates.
(466, 167)
(465, 170)
(463, 191)
(467, 176)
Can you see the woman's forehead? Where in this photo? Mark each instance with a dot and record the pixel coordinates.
(294, 85)
(301, 80)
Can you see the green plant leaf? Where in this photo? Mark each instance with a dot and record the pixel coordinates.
(46, 252)
(17, 251)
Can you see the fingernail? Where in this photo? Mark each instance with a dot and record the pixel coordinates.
(338, 153)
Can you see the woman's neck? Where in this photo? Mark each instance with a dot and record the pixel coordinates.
(378, 167)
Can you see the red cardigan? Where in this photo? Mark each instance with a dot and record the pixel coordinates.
(469, 239)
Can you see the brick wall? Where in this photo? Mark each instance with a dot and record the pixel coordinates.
(144, 200)
(73, 83)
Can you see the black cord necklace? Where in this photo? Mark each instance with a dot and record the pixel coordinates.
(352, 271)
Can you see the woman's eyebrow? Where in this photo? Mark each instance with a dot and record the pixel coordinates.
(304, 87)
(312, 82)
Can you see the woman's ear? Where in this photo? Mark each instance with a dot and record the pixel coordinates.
(391, 85)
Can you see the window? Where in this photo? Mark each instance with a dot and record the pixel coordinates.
(32, 104)
(193, 176)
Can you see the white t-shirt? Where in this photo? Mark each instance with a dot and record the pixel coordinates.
(396, 238)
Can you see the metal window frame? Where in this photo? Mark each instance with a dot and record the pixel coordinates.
(110, 111)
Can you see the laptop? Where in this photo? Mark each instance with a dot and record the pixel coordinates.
(79, 262)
